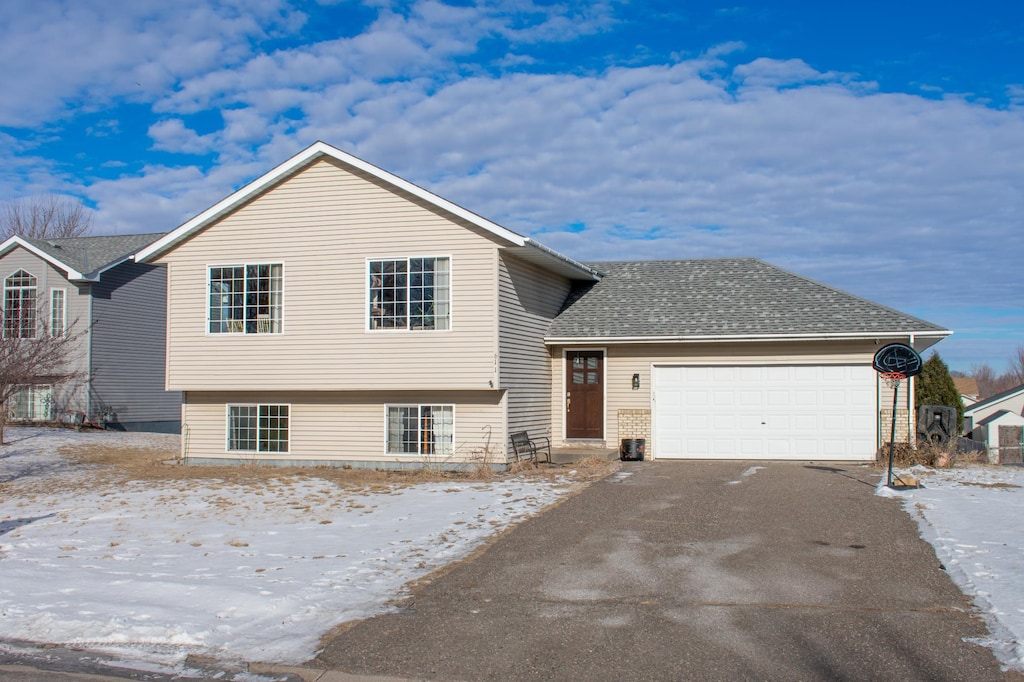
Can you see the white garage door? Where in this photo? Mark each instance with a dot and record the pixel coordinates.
(765, 412)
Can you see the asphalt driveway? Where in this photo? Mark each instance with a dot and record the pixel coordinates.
(690, 570)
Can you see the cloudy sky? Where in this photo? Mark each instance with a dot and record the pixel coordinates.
(875, 146)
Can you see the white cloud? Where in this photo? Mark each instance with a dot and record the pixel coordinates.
(83, 53)
(776, 73)
(171, 135)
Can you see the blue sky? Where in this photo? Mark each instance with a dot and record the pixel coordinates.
(876, 147)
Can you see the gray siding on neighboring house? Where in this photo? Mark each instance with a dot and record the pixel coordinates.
(529, 298)
(73, 396)
(128, 347)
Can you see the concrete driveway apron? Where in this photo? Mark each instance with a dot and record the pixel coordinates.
(690, 570)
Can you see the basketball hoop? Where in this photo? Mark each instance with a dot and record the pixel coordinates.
(892, 379)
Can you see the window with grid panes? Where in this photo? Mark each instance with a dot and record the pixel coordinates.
(258, 428)
(20, 305)
(58, 312)
(420, 429)
(410, 293)
(245, 299)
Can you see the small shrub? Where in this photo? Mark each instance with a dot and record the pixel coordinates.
(924, 454)
(523, 466)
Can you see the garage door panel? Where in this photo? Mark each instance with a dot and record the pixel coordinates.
(749, 399)
(765, 412)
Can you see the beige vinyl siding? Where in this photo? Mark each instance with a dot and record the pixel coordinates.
(529, 298)
(622, 362)
(343, 426)
(323, 224)
(73, 396)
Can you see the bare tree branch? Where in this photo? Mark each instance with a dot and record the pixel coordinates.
(39, 359)
(1016, 371)
(48, 216)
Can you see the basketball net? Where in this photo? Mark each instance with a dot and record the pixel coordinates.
(893, 379)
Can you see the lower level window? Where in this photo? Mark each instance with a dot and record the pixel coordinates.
(420, 429)
(258, 428)
(31, 403)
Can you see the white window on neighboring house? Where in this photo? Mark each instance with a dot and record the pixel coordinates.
(258, 428)
(245, 299)
(31, 403)
(421, 429)
(58, 312)
(410, 293)
(20, 305)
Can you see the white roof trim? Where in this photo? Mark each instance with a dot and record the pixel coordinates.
(71, 272)
(993, 400)
(304, 158)
(560, 340)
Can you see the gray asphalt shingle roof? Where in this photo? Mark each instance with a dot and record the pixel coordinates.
(720, 297)
(92, 254)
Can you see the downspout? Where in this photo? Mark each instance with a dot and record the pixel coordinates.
(88, 355)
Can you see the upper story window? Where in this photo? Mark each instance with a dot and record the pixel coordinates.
(410, 293)
(20, 305)
(58, 311)
(245, 299)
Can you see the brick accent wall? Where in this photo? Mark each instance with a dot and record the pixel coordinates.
(635, 424)
(902, 425)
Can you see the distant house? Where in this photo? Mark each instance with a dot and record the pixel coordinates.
(91, 285)
(330, 311)
(984, 420)
(968, 388)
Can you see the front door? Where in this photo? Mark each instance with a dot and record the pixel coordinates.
(584, 394)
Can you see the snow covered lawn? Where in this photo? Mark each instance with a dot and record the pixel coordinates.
(974, 517)
(158, 562)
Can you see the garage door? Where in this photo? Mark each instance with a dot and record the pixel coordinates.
(765, 412)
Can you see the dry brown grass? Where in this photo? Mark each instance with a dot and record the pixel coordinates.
(109, 466)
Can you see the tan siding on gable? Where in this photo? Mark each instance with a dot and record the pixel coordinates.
(529, 299)
(323, 224)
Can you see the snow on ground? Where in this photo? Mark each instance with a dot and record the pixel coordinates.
(156, 570)
(160, 569)
(974, 517)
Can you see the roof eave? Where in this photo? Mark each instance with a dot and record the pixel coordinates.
(725, 338)
(72, 274)
(553, 260)
(296, 163)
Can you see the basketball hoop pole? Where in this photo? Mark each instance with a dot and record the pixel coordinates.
(893, 379)
(894, 363)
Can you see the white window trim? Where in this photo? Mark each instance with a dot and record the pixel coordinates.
(227, 429)
(418, 406)
(3, 309)
(206, 300)
(30, 389)
(407, 330)
(64, 310)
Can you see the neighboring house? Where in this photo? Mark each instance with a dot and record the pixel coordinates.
(968, 388)
(1011, 401)
(330, 311)
(1002, 434)
(92, 287)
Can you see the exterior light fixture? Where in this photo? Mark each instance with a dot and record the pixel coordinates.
(636, 382)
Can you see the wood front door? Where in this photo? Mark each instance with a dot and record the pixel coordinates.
(584, 394)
